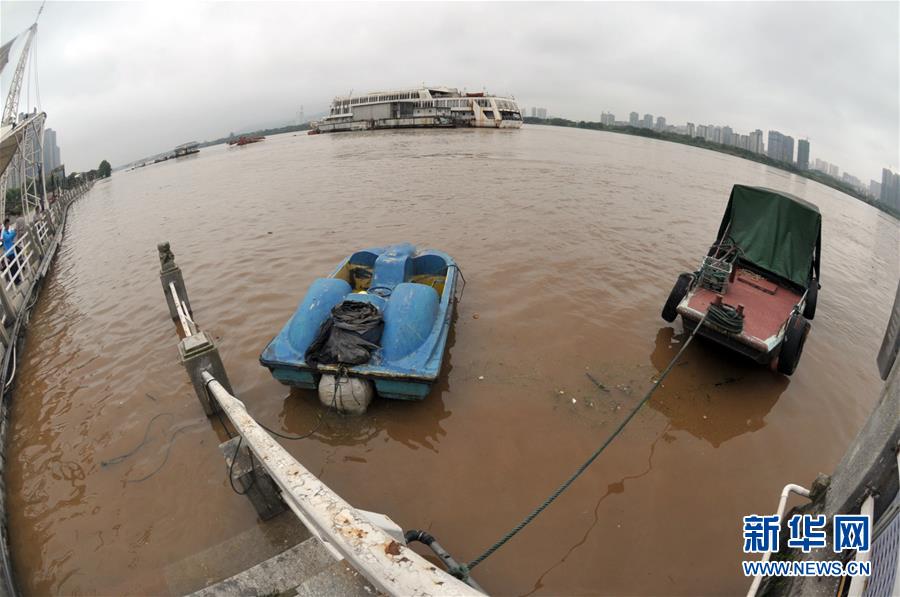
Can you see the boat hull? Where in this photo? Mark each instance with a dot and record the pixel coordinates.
(424, 122)
(416, 315)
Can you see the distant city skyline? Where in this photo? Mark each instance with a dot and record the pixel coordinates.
(779, 147)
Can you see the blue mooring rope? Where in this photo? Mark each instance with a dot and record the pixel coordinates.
(462, 571)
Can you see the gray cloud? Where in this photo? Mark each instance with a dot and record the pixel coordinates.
(124, 80)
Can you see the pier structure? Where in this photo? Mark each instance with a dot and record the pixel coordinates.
(349, 551)
(866, 482)
(22, 139)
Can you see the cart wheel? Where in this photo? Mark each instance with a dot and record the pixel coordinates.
(682, 285)
(792, 345)
(812, 295)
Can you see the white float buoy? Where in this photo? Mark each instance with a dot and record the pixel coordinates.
(352, 396)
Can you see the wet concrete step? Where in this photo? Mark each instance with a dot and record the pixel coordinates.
(277, 575)
(337, 579)
(235, 554)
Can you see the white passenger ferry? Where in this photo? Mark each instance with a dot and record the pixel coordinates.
(420, 108)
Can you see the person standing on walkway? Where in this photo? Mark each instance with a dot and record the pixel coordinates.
(9, 251)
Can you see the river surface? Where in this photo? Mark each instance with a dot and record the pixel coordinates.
(570, 241)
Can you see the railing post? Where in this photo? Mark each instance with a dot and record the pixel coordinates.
(197, 350)
(253, 479)
(199, 354)
(171, 273)
(9, 309)
(4, 339)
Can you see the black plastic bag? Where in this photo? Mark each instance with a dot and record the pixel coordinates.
(348, 337)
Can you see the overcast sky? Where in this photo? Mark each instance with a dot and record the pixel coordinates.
(121, 81)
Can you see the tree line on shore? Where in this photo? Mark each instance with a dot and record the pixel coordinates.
(55, 181)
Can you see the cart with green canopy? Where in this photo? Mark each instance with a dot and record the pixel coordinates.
(758, 286)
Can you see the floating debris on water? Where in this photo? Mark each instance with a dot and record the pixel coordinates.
(597, 383)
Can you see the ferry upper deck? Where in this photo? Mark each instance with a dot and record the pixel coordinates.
(422, 107)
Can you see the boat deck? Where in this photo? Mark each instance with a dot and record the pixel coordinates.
(766, 305)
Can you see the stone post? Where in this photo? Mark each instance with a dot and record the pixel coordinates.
(5, 340)
(250, 477)
(171, 273)
(198, 354)
(9, 309)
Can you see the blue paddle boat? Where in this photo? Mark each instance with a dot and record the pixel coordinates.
(413, 296)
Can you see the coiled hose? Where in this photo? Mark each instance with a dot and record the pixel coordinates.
(726, 318)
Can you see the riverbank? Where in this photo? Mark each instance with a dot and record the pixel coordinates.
(703, 144)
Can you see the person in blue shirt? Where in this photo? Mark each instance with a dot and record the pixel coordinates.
(9, 250)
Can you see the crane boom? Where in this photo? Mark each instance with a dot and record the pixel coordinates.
(15, 89)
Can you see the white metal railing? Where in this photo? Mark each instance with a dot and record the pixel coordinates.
(22, 263)
(392, 568)
(15, 269)
(40, 227)
(782, 503)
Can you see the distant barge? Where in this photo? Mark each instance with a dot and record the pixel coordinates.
(246, 140)
(427, 107)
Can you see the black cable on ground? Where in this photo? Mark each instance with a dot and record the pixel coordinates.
(231, 469)
(318, 423)
(168, 451)
(131, 452)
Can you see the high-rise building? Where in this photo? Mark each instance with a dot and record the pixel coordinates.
(607, 119)
(51, 150)
(890, 188)
(701, 131)
(744, 142)
(774, 151)
(542, 112)
(690, 129)
(717, 134)
(834, 171)
(633, 119)
(781, 147)
(647, 123)
(787, 149)
(756, 141)
(875, 189)
(710, 132)
(726, 135)
(533, 112)
(803, 154)
(661, 123)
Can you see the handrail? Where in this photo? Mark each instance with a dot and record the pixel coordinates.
(21, 257)
(782, 503)
(182, 311)
(391, 567)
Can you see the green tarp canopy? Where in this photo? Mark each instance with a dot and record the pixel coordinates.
(775, 231)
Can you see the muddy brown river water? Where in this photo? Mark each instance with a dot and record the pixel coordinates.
(570, 241)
